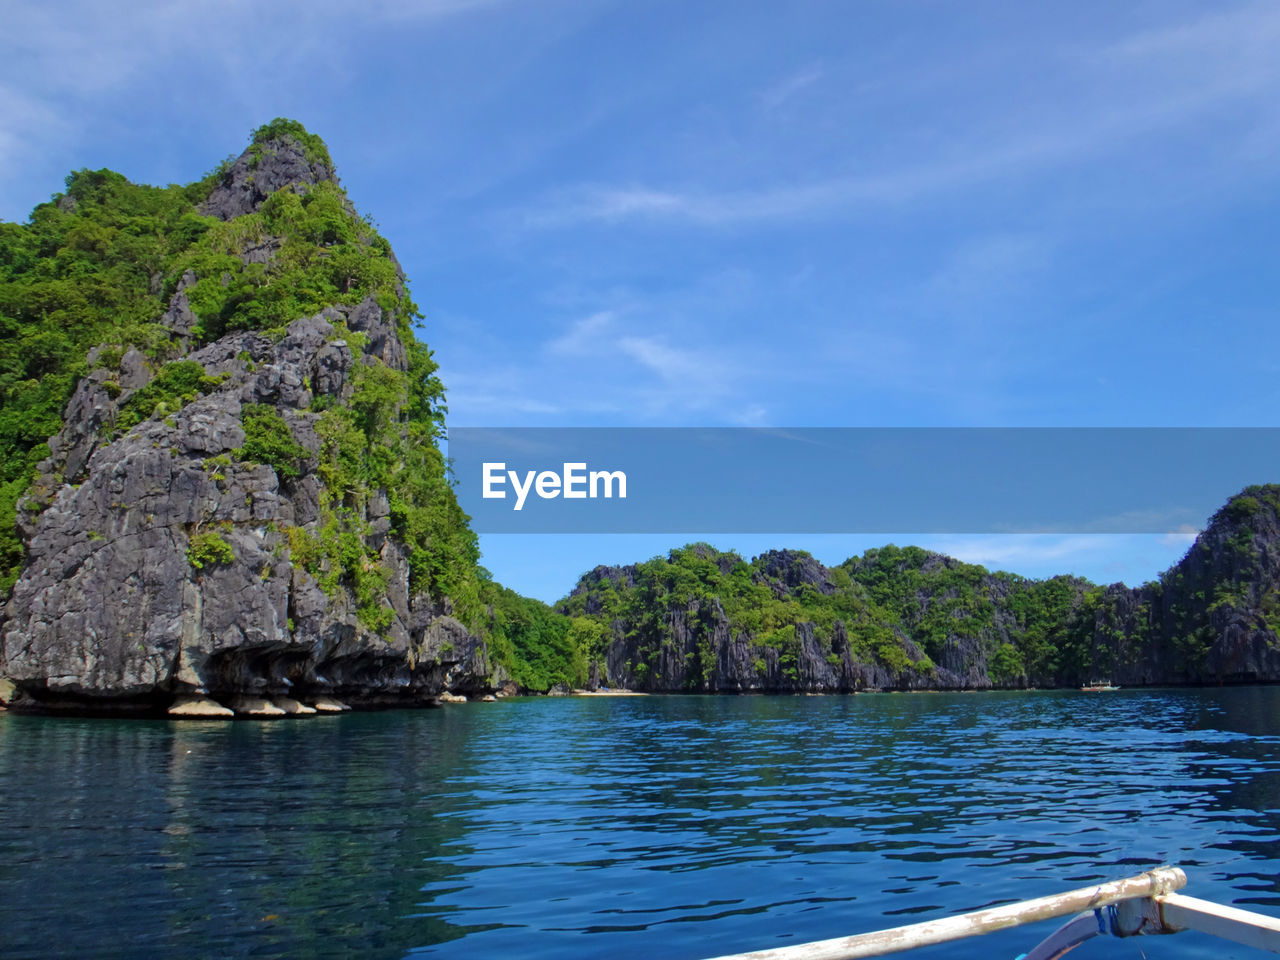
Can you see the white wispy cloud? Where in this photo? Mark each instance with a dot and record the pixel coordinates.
(1014, 550)
(778, 94)
(625, 359)
(401, 10)
(624, 362)
(583, 336)
(604, 336)
(1129, 558)
(1180, 538)
(986, 263)
(1151, 83)
(25, 122)
(1242, 35)
(502, 392)
(68, 66)
(673, 364)
(834, 197)
(749, 415)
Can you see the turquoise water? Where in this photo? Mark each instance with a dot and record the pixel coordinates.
(672, 827)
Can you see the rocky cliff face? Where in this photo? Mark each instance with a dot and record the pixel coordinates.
(280, 163)
(1215, 616)
(179, 556)
(895, 618)
(733, 627)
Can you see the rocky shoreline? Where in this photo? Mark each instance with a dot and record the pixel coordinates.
(205, 707)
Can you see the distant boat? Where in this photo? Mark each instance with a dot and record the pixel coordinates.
(1098, 686)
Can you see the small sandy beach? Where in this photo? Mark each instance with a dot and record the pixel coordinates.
(611, 692)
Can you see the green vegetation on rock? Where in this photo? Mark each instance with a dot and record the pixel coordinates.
(539, 646)
(321, 254)
(267, 439)
(315, 149)
(174, 386)
(208, 549)
(702, 588)
(90, 267)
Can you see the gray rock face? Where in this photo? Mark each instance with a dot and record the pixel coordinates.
(179, 317)
(1215, 617)
(111, 608)
(279, 163)
(787, 570)
(698, 649)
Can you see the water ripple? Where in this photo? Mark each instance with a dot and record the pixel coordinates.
(681, 827)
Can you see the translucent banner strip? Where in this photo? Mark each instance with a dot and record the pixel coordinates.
(854, 480)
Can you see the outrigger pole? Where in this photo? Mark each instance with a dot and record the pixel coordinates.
(1140, 905)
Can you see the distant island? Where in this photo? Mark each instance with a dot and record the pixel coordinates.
(903, 618)
(221, 494)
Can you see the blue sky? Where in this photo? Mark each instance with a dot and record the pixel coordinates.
(717, 213)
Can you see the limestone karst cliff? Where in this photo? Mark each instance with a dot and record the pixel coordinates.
(904, 618)
(244, 496)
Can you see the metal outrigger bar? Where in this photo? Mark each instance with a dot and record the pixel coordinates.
(1167, 913)
(1135, 906)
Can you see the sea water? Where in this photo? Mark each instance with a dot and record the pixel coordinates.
(655, 827)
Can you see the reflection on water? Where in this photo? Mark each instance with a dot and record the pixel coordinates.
(636, 827)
